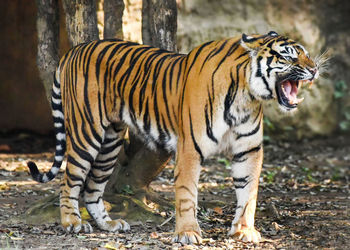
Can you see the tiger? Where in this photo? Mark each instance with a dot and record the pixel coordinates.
(194, 105)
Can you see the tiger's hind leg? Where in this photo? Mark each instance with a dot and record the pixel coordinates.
(98, 178)
(80, 158)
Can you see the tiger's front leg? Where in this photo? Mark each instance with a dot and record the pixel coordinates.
(186, 174)
(246, 171)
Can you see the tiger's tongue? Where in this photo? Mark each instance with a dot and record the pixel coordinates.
(291, 91)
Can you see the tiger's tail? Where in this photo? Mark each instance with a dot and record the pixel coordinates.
(58, 118)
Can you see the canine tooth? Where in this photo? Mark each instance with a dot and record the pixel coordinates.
(284, 91)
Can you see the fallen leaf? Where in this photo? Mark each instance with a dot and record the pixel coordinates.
(108, 206)
(4, 186)
(154, 235)
(111, 245)
(218, 210)
(84, 213)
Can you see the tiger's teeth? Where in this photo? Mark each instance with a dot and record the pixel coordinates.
(296, 101)
(284, 91)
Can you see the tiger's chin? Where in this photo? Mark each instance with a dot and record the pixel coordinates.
(287, 93)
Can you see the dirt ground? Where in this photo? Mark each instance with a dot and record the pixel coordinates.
(304, 199)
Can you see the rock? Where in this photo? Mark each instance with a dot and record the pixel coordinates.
(272, 211)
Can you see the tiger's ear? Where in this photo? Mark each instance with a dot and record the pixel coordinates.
(272, 33)
(250, 43)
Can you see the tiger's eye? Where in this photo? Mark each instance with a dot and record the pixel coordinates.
(290, 59)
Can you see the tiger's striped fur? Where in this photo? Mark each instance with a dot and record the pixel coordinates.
(195, 105)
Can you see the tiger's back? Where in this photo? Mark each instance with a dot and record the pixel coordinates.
(145, 87)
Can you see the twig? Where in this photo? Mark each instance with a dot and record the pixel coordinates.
(167, 220)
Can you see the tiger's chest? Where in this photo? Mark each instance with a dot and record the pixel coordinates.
(243, 127)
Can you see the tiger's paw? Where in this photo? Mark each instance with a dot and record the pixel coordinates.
(86, 228)
(187, 237)
(72, 223)
(115, 225)
(246, 234)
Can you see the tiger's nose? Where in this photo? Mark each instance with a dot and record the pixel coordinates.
(313, 71)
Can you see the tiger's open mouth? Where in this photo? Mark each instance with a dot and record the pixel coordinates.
(287, 92)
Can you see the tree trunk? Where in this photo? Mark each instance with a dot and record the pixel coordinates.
(81, 20)
(159, 23)
(138, 165)
(113, 19)
(48, 29)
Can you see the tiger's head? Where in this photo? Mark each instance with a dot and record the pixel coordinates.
(279, 66)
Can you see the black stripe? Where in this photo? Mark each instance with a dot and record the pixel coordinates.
(55, 106)
(147, 68)
(241, 186)
(243, 179)
(229, 99)
(146, 119)
(74, 177)
(108, 150)
(166, 130)
(69, 198)
(237, 157)
(93, 202)
(183, 59)
(82, 154)
(90, 52)
(100, 181)
(134, 57)
(210, 105)
(161, 137)
(108, 160)
(216, 50)
(254, 131)
(71, 185)
(242, 55)
(93, 133)
(100, 59)
(72, 160)
(75, 214)
(268, 63)
(188, 190)
(267, 87)
(171, 74)
(120, 64)
(165, 99)
(258, 114)
(232, 49)
(89, 190)
(75, 125)
(189, 69)
(155, 72)
(209, 125)
(258, 71)
(197, 148)
(55, 95)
